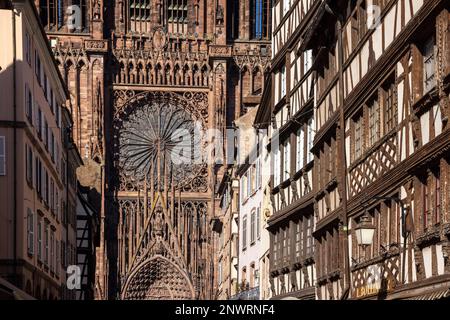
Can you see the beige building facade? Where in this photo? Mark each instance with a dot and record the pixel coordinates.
(33, 170)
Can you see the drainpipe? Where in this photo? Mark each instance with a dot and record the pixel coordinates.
(13, 19)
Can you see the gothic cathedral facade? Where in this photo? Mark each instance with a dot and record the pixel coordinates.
(140, 73)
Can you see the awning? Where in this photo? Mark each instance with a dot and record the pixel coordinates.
(436, 295)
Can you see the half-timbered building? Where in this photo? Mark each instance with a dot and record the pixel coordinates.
(292, 131)
(381, 144)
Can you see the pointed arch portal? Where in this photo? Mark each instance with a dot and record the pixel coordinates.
(158, 278)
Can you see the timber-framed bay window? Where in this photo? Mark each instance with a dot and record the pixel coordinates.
(328, 253)
(376, 118)
(293, 242)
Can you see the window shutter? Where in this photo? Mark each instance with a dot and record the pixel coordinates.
(258, 222)
(31, 232)
(39, 231)
(27, 99)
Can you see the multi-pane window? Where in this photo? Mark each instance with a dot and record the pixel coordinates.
(39, 240)
(47, 243)
(29, 164)
(252, 227)
(39, 122)
(283, 81)
(275, 249)
(358, 135)
(309, 239)
(46, 87)
(177, 14)
(46, 136)
(28, 103)
(431, 199)
(56, 199)
(300, 157)
(260, 19)
(286, 244)
(49, 13)
(307, 61)
(249, 184)
(52, 14)
(258, 173)
(298, 239)
(310, 140)
(52, 195)
(258, 222)
(437, 197)
(38, 178)
(244, 232)
(374, 122)
(46, 188)
(30, 231)
(429, 65)
(390, 106)
(52, 250)
(276, 167)
(253, 178)
(37, 66)
(286, 160)
(58, 258)
(2, 156)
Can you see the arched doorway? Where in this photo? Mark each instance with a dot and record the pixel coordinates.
(158, 278)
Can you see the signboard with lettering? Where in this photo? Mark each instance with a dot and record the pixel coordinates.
(375, 279)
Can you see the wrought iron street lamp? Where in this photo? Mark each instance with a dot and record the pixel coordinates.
(364, 231)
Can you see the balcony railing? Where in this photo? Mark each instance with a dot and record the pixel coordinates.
(250, 294)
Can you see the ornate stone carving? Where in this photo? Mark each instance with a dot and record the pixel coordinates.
(96, 45)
